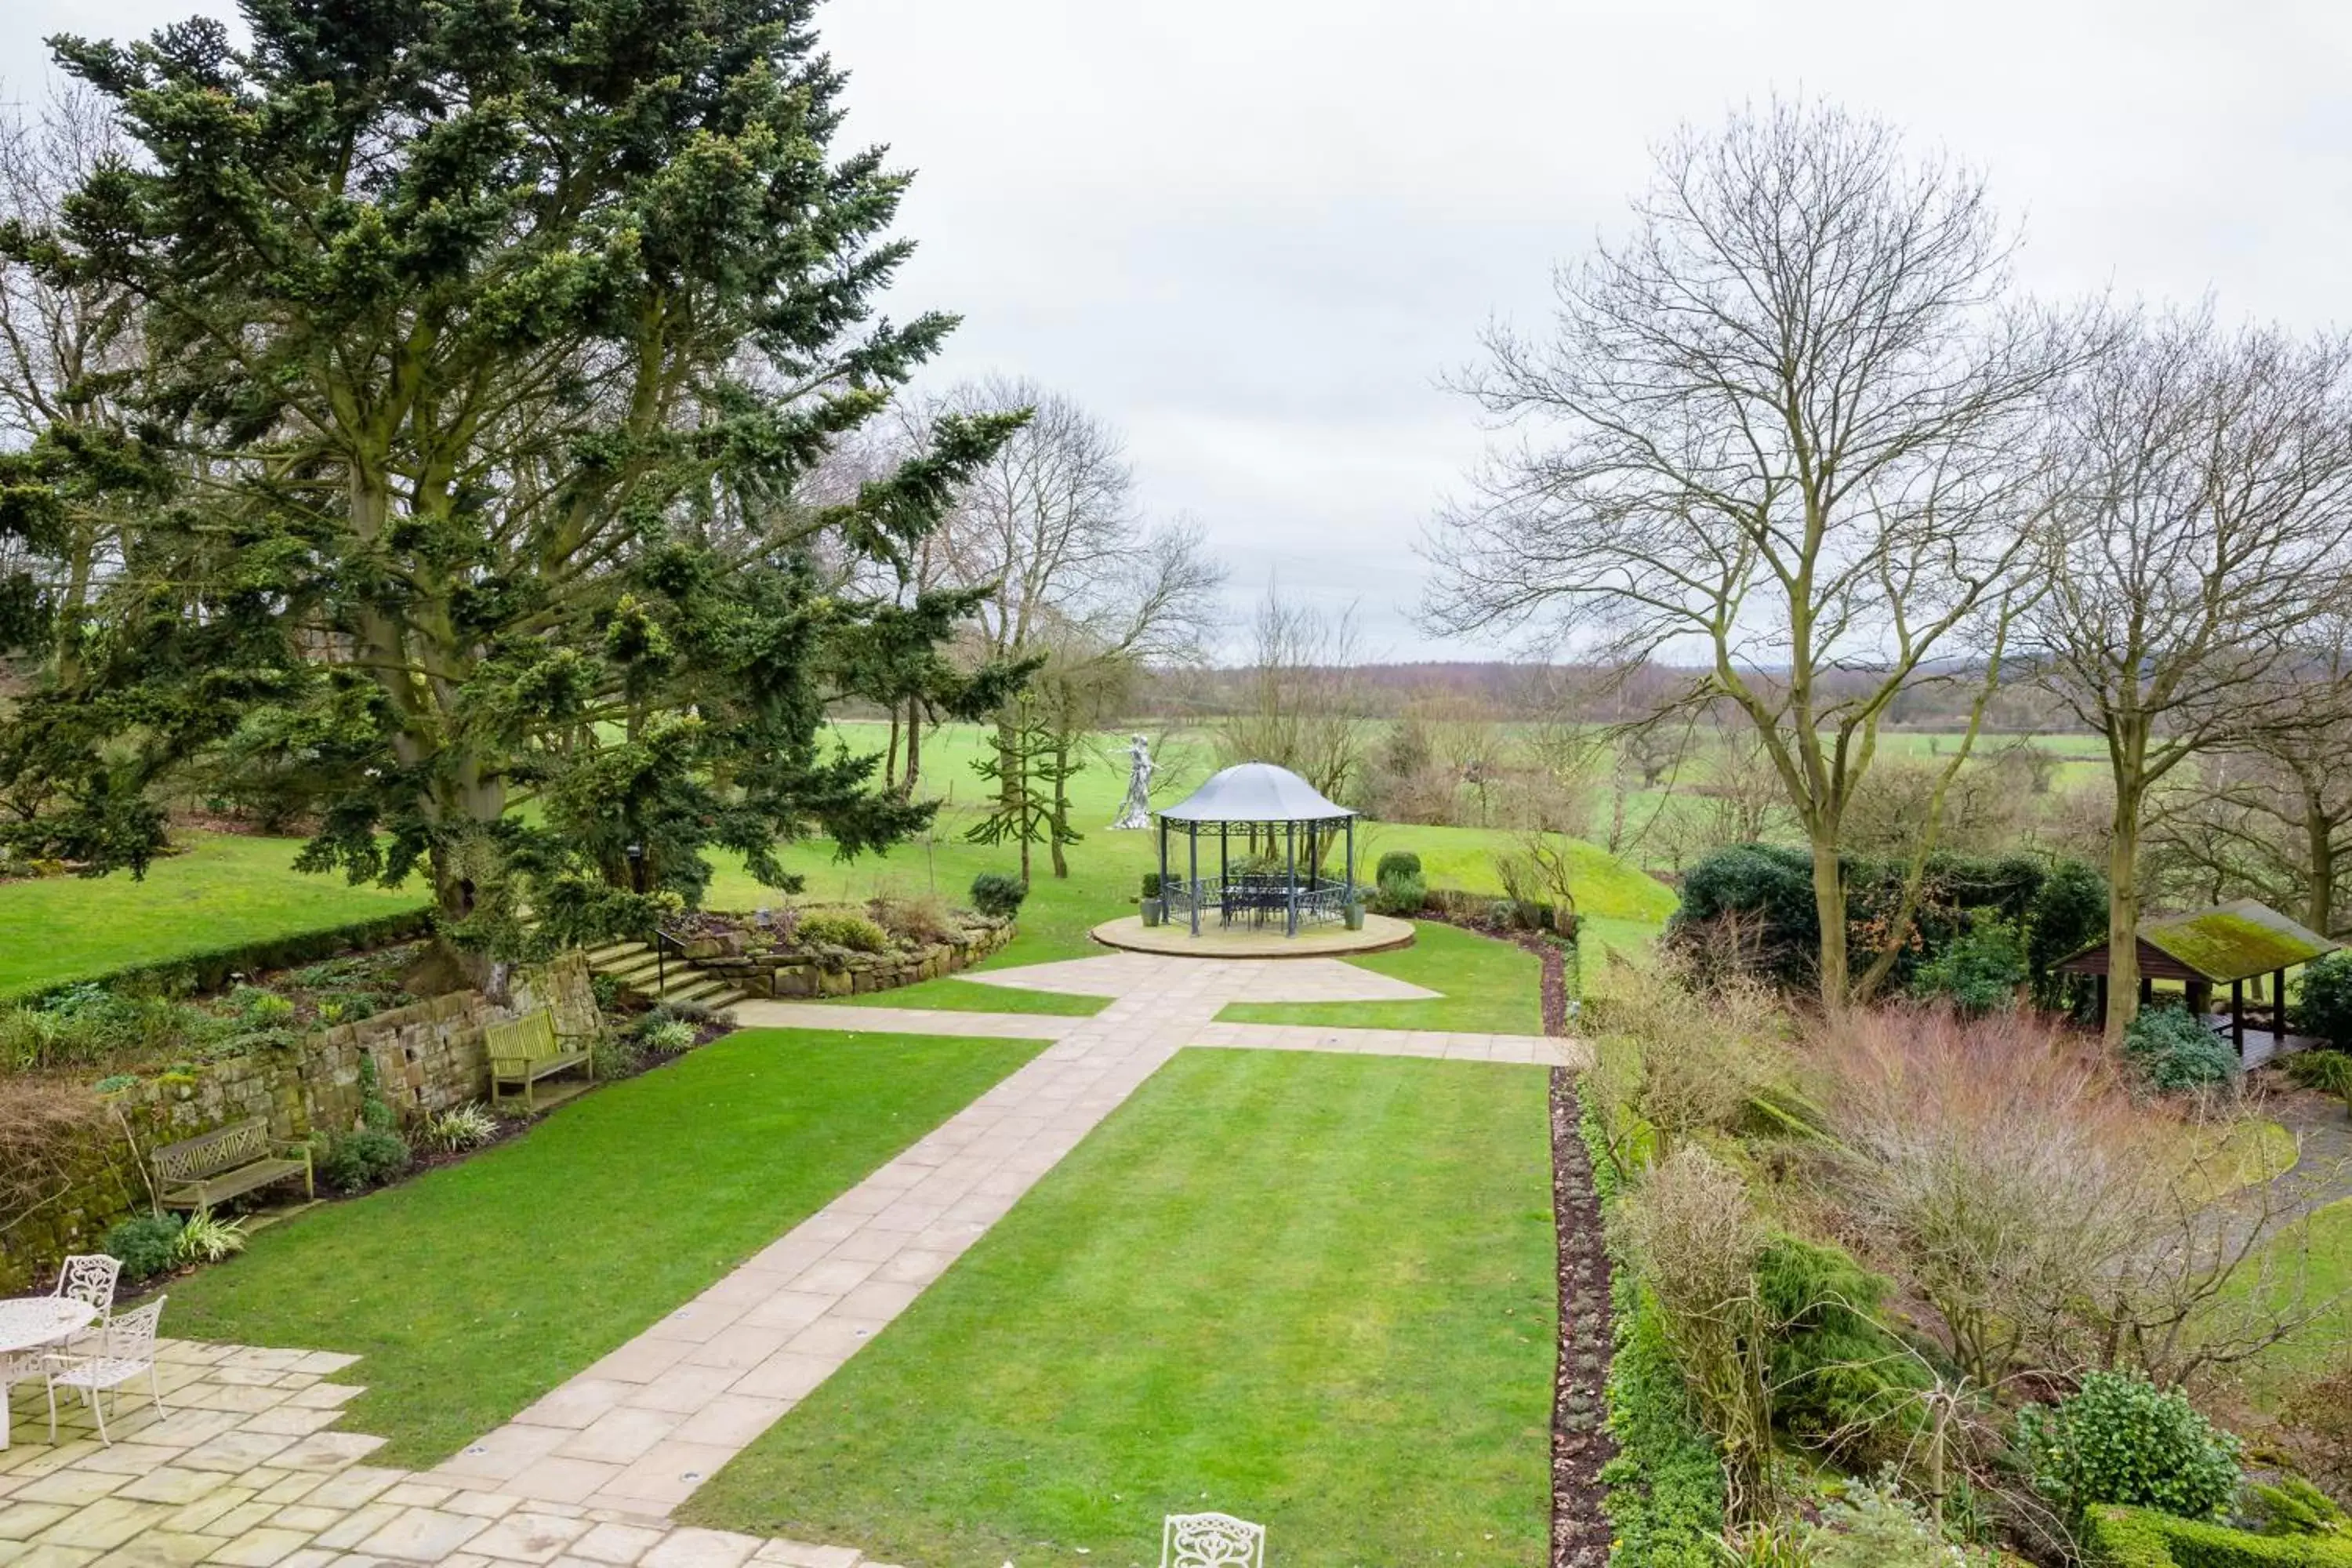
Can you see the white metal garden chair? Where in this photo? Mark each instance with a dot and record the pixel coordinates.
(89, 1277)
(1211, 1541)
(126, 1348)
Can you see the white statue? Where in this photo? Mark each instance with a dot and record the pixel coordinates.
(1136, 810)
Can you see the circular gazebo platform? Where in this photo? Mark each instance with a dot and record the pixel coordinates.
(1380, 934)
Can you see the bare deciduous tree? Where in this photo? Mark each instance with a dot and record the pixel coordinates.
(1789, 421)
(1301, 708)
(2201, 533)
(64, 348)
(1076, 576)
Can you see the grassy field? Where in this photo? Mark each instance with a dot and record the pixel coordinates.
(2326, 1279)
(1313, 1291)
(228, 888)
(225, 890)
(1106, 869)
(1486, 987)
(473, 1289)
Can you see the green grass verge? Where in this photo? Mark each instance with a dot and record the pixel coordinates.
(476, 1287)
(952, 993)
(1485, 986)
(2326, 1275)
(1313, 1291)
(225, 890)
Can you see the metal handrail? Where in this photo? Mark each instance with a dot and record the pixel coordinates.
(664, 940)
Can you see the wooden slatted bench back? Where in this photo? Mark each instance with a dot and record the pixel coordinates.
(225, 1149)
(528, 1038)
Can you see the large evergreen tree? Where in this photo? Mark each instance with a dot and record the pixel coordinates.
(492, 340)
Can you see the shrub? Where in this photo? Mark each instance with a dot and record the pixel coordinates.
(356, 1160)
(998, 894)
(1397, 863)
(2330, 1072)
(1694, 1237)
(829, 928)
(2318, 1426)
(1837, 1374)
(1874, 1525)
(203, 1239)
(2137, 1538)
(607, 990)
(2325, 1006)
(2295, 1507)
(461, 1128)
(145, 1243)
(2120, 1439)
(614, 1055)
(919, 919)
(670, 1036)
(2174, 1051)
(1151, 884)
(1981, 970)
(1402, 894)
(2068, 914)
(260, 1009)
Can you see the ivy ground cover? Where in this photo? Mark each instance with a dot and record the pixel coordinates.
(1312, 1290)
(476, 1288)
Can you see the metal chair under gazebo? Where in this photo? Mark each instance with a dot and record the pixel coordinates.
(1276, 815)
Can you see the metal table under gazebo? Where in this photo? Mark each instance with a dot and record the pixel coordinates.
(1265, 806)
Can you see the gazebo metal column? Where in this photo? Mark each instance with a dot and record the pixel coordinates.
(1193, 839)
(1163, 864)
(1351, 857)
(1290, 893)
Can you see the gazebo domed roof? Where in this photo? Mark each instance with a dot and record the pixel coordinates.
(1255, 792)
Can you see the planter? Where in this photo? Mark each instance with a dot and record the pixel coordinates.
(1353, 914)
(1153, 911)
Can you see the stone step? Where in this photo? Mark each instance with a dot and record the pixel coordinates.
(614, 953)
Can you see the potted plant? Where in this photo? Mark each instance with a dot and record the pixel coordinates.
(1154, 911)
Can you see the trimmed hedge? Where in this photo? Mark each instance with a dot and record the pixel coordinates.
(2138, 1537)
(210, 970)
(1665, 1498)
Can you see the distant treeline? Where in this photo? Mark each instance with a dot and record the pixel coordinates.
(1502, 690)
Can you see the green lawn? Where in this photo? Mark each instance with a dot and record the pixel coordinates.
(2286, 1365)
(476, 1289)
(225, 889)
(1313, 1291)
(1488, 987)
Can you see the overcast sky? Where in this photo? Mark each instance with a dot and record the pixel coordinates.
(1254, 237)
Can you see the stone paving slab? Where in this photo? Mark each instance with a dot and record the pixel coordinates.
(197, 1486)
(1292, 979)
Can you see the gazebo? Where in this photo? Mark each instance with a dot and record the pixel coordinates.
(2227, 944)
(1258, 798)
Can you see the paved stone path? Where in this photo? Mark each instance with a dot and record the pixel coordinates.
(590, 1472)
(241, 1472)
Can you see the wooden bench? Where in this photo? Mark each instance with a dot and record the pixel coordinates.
(527, 1049)
(228, 1162)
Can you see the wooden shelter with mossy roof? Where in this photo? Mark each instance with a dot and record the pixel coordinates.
(2228, 944)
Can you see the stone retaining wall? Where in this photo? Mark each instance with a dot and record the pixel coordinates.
(839, 972)
(429, 1056)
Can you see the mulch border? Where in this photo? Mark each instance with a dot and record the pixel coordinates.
(1581, 1444)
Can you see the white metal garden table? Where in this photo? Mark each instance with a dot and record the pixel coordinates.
(32, 1323)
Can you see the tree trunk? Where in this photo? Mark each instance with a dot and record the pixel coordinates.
(2123, 896)
(2319, 835)
(914, 748)
(891, 757)
(1061, 824)
(1829, 906)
